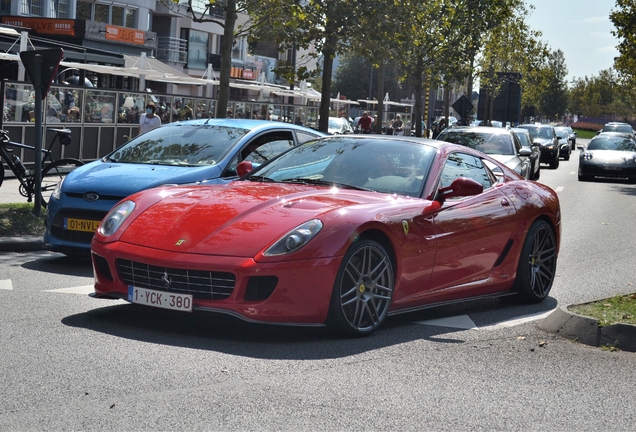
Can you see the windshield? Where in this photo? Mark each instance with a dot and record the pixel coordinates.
(620, 144)
(485, 142)
(539, 132)
(178, 144)
(618, 128)
(377, 165)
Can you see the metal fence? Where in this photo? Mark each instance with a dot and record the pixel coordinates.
(103, 120)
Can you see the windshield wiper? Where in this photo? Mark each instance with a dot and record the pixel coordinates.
(319, 182)
(260, 179)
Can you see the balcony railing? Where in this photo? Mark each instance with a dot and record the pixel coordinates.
(172, 50)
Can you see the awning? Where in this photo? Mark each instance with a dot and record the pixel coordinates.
(375, 102)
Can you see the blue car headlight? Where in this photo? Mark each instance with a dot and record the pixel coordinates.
(57, 192)
(115, 218)
(295, 239)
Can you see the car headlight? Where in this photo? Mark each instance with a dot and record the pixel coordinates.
(57, 192)
(115, 218)
(295, 239)
(549, 147)
(587, 156)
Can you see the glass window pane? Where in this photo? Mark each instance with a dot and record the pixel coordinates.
(118, 16)
(101, 13)
(131, 18)
(83, 10)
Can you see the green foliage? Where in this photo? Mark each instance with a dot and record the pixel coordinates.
(19, 220)
(553, 100)
(618, 309)
(623, 19)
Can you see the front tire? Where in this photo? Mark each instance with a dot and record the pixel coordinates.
(363, 290)
(537, 263)
(555, 163)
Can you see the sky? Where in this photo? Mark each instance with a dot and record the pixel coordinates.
(579, 28)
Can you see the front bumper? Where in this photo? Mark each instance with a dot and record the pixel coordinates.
(549, 153)
(301, 294)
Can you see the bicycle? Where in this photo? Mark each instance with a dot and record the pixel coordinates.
(53, 171)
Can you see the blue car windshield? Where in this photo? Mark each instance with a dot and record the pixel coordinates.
(178, 144)
(370, 164)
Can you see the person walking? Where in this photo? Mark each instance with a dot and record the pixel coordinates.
(149, 120)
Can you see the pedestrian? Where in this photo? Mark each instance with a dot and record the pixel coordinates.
(398, 126)
(365, 123)
(51, 116)
(148, 120)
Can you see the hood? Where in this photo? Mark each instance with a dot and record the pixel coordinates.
(123, 179)
(239, 219)
(613, 157)
(543, 141)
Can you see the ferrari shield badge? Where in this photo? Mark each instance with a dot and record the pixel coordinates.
(180, 242)
(405, 227)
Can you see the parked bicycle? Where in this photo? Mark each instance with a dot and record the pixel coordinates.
(53, 171)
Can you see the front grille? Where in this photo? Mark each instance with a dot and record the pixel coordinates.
(57, 225)
(203, 285)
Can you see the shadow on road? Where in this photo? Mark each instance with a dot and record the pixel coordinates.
(229, 335)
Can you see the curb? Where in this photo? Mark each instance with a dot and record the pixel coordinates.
(586, 330)
(21, 244)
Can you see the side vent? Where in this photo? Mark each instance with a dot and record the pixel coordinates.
(504, 253)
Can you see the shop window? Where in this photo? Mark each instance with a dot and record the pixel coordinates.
(83, 10)
(118, 16)
(197, 48)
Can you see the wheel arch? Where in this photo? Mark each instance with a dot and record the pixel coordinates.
(381, 238)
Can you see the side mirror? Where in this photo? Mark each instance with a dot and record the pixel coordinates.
(525, 151)
(580, 148)
(243, 168)
(460, 187)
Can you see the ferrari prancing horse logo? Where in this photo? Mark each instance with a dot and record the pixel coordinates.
(180, 242)
(405, 227)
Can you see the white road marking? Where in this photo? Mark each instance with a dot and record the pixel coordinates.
(464, 322)
(84, 290)
(6, 285)
(559, 189)
(460, 322)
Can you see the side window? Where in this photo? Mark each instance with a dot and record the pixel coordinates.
(516, 143)
(303, 137)
(261, 149)
(465, 165)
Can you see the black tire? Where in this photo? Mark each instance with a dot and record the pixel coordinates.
(584, 178)
(363, 290)
(53, 173)
(538, 174)
(537, 264)
(555, 163)
(567, 155)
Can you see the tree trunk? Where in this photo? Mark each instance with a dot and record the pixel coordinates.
(417, 107)
(329, 52)
(380, 98)
(226, 59)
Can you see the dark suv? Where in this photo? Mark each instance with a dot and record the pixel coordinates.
(545, 136)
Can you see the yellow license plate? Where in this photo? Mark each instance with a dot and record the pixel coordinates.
(80, 225)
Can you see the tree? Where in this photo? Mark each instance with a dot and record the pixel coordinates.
(553, 101)
(623, 19)
(326, 24)
(198, 10)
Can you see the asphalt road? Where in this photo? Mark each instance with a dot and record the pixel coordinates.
(71, 362)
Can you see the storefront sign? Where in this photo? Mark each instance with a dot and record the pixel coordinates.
(249, 74)
(125, 35)
(49, 26)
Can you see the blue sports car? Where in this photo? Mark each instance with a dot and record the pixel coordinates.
(176, 153)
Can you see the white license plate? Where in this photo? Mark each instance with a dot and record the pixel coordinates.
(160, 299)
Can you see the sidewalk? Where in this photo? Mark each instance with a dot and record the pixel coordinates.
(9, 192)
